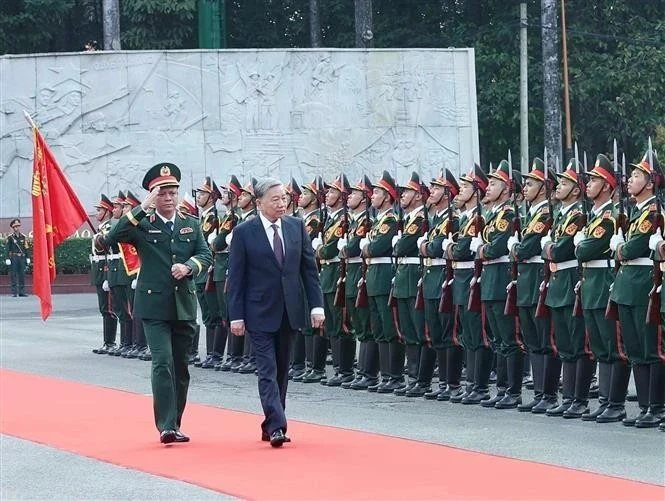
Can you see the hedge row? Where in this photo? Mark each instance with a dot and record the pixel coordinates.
(71, 257)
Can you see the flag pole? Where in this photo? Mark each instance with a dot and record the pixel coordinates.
(34, 127)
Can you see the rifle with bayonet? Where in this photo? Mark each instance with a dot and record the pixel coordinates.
(653, 309)
(474, 291)
(542, 310)
(510, 309)
(420, 299)
(340, 290)
(612, 310)
(362, 300)
(446, 301)
(581, 178)
(392, 301)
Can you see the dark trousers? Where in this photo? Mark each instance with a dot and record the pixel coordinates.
(17, 273)
(273, 351)
(169, 342)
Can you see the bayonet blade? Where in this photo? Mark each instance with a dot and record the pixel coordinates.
(616, 156)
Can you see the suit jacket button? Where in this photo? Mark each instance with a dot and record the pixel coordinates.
(176, 287)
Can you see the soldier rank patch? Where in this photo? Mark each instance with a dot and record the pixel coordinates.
(206, 226)
(360, 231)
(384, 229)
(645, 226)
(571, 229)
(598, 232)
(539, 227)
(412, 229)
(186, 230)
(502, 225)
(339, 231)
(227, 225)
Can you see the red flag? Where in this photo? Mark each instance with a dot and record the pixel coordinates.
(57, 213)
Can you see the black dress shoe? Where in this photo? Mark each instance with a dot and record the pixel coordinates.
(364, 383)
(475, 397)
(419, 390)
(357, 379)
(167, 436)
(339, 380)
(560, 409)
(277, 438)
(631, 421)
(181, 437)
(314, 376)
(147, 356)
(545, 404)
(577, 410)
(651, 419)
(457, 398)
(391, 386)
(402, 391)
(449, 393)
(22, 295)
(248, 368)
(491, 403)
(509, 402)
(266, 438)
(611, 414)
(528, 406)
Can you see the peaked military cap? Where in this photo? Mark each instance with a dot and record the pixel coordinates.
(210, 187)
(538, 171)
(234, 185)
(14, 223)
(447, 180)
(293, 189)
(119, 198)
(365, 185)
(424, 190)
(315, 186)
(104, 203)
(645, 167)
(387, 183)
(162, 174)
(413, 183)
(341, 184)
(477, 176)
(603, 169)
(250, 187)
(131, 199)
(188, 206)
(571, 173)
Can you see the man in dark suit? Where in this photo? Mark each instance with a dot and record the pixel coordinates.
(172, 250)
(271, 273)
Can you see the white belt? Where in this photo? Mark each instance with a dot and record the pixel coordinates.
(435, 261)
(112, 257)
(329, 261)
(502, 259)
(640, 261)
(379, 260)
(534, 259)
(225, 251)
(554, 267)
(409, 260)
(97, 259)
(353, 260)
(599, 263)
(463, 265)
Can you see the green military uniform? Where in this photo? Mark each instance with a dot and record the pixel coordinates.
(475, 333)
(378, 249)
(166, 305)
(569, 334)
(530, 271)
(98, 278)
(644, 347)
(439, 324)
(17, 252)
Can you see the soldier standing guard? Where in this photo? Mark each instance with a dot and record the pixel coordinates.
(526, 251)
(17, 258)
(360, 224)
(206, 198)
(449, 351)
(98, 275)
(630, 292)
(377, 250)
(474, 330)
(410, 322)
(172, 250)
(569, 331)
(492, 248)
(657, 244)
(315, 351)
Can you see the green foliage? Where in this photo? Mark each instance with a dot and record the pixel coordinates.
(71, 257)
(158, 24)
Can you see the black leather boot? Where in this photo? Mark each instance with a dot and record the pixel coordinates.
(425, 372)
(656, 412)
(320, 352)
(569, 371)
(481, 376)
(585, 368)
(346, 346)
(470, 357)
(454, 360)
(641, 373)
(501, 381)
(384, 366)
(371, 367)
(550, 385)
(537, 374)
(441, 361)
(412, 365)
(513, 396)
(604, 382)
(615, 410)
(396, 382)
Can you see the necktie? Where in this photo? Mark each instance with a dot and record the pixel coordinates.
(169, 225)
(277, 245)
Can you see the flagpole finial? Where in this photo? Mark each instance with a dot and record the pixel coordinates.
(29, 119)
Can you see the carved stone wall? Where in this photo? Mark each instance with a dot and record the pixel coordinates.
(110, 116)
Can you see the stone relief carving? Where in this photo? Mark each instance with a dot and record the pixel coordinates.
(109, 116)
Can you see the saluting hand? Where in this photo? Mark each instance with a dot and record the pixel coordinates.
(150, 199)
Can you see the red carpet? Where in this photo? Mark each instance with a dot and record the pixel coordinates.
(226, 453)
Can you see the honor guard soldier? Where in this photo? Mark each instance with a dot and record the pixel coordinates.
(592, 248)
(98, 275)
(230, 195)
(119, 281)
(293, 193)
(437, 282)
(17, 257)
(526, 251)
(132, 265)
(630, 292)
(172, 251)
(409, 322)
(188, 206)
(247, 206)
(569, 332)
(492, 248)
(206, 199)
(377, 249)
(310, 203)
(337, 327)
(657, 244)
(356, 270)
(474, 331)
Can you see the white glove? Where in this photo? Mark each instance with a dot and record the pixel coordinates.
(364, 242)
(579, 236)
(27, 260)
(316, 243)
(228, 238)
(105, 286)
(545, 240)
(134, 284)
(395, 239)
(444, 245)
(655, 240)
(512, 240)
(8, 262)
(341, 243)
(212, 237)
(420, 240)
(577, 287)
(616, 240)
(476, 242)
